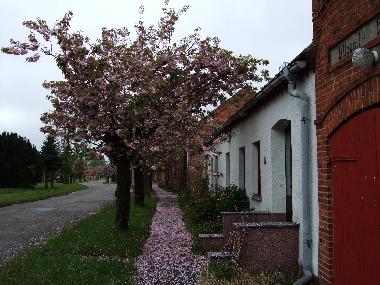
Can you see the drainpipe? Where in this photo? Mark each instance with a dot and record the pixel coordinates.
(290, 75)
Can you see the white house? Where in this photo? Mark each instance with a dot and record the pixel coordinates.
(272, 152)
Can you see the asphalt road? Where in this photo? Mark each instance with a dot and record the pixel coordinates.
(28, 224)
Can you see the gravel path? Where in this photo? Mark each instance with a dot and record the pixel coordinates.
(167, 257)
(25, 225)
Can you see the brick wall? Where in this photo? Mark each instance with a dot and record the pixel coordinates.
(178, 175)
(341, 92)
(198, 181)
(176, 172)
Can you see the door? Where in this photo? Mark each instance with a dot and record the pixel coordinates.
(356, 194)
(288, 174)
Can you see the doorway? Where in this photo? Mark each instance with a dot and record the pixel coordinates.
(288, 173)
(355, 158)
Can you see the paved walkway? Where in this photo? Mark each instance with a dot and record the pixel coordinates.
(167, 258)
(24, 225)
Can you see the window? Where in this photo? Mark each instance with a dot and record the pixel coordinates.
(242, 167)
(212, 171)
(216, 170)
(256, 169)
(228, 169)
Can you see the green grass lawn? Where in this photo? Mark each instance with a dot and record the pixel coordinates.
(90, 252)
(9, 196)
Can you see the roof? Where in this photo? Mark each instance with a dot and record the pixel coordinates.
(230, 106)
(223, 112)
(279, 81)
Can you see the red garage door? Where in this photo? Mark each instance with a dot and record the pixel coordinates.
(356, 196)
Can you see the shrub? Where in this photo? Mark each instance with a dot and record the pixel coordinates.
(222, 199)
(203, 215)
(161, 184)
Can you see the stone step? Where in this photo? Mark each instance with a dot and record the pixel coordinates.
(266, 225)
(211, 236)
(219, 256)
(211, 242)
(229, 218)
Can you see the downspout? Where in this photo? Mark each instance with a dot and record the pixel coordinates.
(306, 121)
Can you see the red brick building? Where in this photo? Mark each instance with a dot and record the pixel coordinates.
(348, 132)
(188, 169)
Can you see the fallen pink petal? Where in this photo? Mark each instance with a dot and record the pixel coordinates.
(167, 257)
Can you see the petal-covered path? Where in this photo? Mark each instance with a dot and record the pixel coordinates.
(167, 256)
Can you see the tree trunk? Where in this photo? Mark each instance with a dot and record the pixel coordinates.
(139, 186)
(45, 179)
(52, 180)
(123, 194)
(148, 182)
(183, 175)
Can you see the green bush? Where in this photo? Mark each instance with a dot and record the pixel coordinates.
(203, 215)
(222, 199)
(161, 185)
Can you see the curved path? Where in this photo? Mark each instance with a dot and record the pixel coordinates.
(25, 225)
(167, 257)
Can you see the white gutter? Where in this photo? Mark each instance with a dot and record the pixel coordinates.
(306, 171)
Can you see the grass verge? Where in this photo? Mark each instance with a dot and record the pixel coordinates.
(90, 252)
(9, 196)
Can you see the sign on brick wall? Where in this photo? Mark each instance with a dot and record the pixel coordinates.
(359, 38)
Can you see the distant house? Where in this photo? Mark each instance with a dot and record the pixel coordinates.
(272, 153)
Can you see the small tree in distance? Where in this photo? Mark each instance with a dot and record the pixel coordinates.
(135, 99)
(67, 163)
(51, 160)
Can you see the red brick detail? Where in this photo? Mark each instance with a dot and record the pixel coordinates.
(177, 175)
(231, 106)
(341, 93)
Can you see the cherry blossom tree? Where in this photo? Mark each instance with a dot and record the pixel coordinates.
(108, 171)
(134, 98)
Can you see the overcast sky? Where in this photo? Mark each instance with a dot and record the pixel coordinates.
(276, 30)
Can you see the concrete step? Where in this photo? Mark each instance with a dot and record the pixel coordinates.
(229, 218)
(266, 225)
(211, 242)
(219, 256)
(211, 236)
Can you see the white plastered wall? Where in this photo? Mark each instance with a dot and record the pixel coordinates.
(259, 127)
